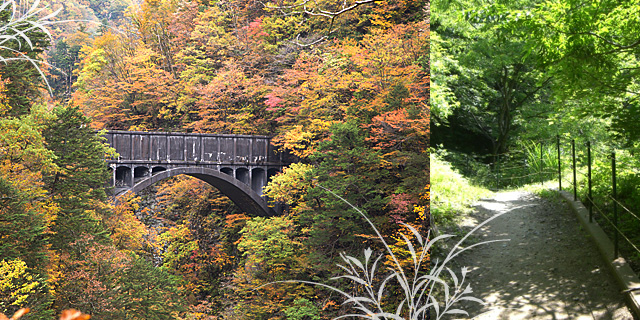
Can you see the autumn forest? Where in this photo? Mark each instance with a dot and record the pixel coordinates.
(341, 86)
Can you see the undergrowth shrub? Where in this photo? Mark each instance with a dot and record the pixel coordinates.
(451, 193)
(432, 293)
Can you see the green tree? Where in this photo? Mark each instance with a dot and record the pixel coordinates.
(78, 187)
(64, 58)
(270, 243)
(346, 166)
(272, 251)
(23, 234)
(493, 78)
(25, 213)
(592, 48)
(148, 292)
(23, 230)
(302, 309)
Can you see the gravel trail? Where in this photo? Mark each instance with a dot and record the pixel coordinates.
(548, 270)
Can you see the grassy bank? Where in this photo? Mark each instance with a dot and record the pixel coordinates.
(451, 193)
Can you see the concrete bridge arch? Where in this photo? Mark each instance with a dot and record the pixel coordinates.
(239, 192)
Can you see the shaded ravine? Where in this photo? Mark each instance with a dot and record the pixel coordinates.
(549, 269)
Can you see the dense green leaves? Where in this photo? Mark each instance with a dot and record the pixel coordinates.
(269, 242)
(495, 76)
(78, 185)
(26, 215)
(148, 292)
(20, 288)
(592, 48)
(303, 309)
(348, 168)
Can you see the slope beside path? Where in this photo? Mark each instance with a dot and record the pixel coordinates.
(548, 270)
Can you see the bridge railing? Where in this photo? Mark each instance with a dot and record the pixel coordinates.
(193, 147)
(605, 179)
(609, 200)
(531, 162)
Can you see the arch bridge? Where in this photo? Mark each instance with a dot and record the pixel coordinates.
(238, 165)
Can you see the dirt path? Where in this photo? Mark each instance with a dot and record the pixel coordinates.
(548, 270)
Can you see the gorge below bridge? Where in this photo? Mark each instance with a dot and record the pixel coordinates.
(237, 165)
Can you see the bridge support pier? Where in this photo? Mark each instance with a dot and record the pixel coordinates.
(250, 179)
(126, 176)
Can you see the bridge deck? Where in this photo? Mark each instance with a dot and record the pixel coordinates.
(136, 146)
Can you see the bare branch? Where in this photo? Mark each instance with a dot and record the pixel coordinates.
(312, 11)
(536, 89)
(611, 42)
(304, 9)
(304, 45)
(333, 14)
(619, 47)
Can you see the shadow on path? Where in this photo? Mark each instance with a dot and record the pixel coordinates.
(548, 270)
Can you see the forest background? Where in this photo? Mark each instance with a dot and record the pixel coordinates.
(348, 94)
(515, 82)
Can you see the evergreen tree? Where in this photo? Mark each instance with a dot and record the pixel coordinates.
(25, 214)
(21, 228)
(64, 58)
(23, 255)
(148, 292)
(78, 187)
(351, 170)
